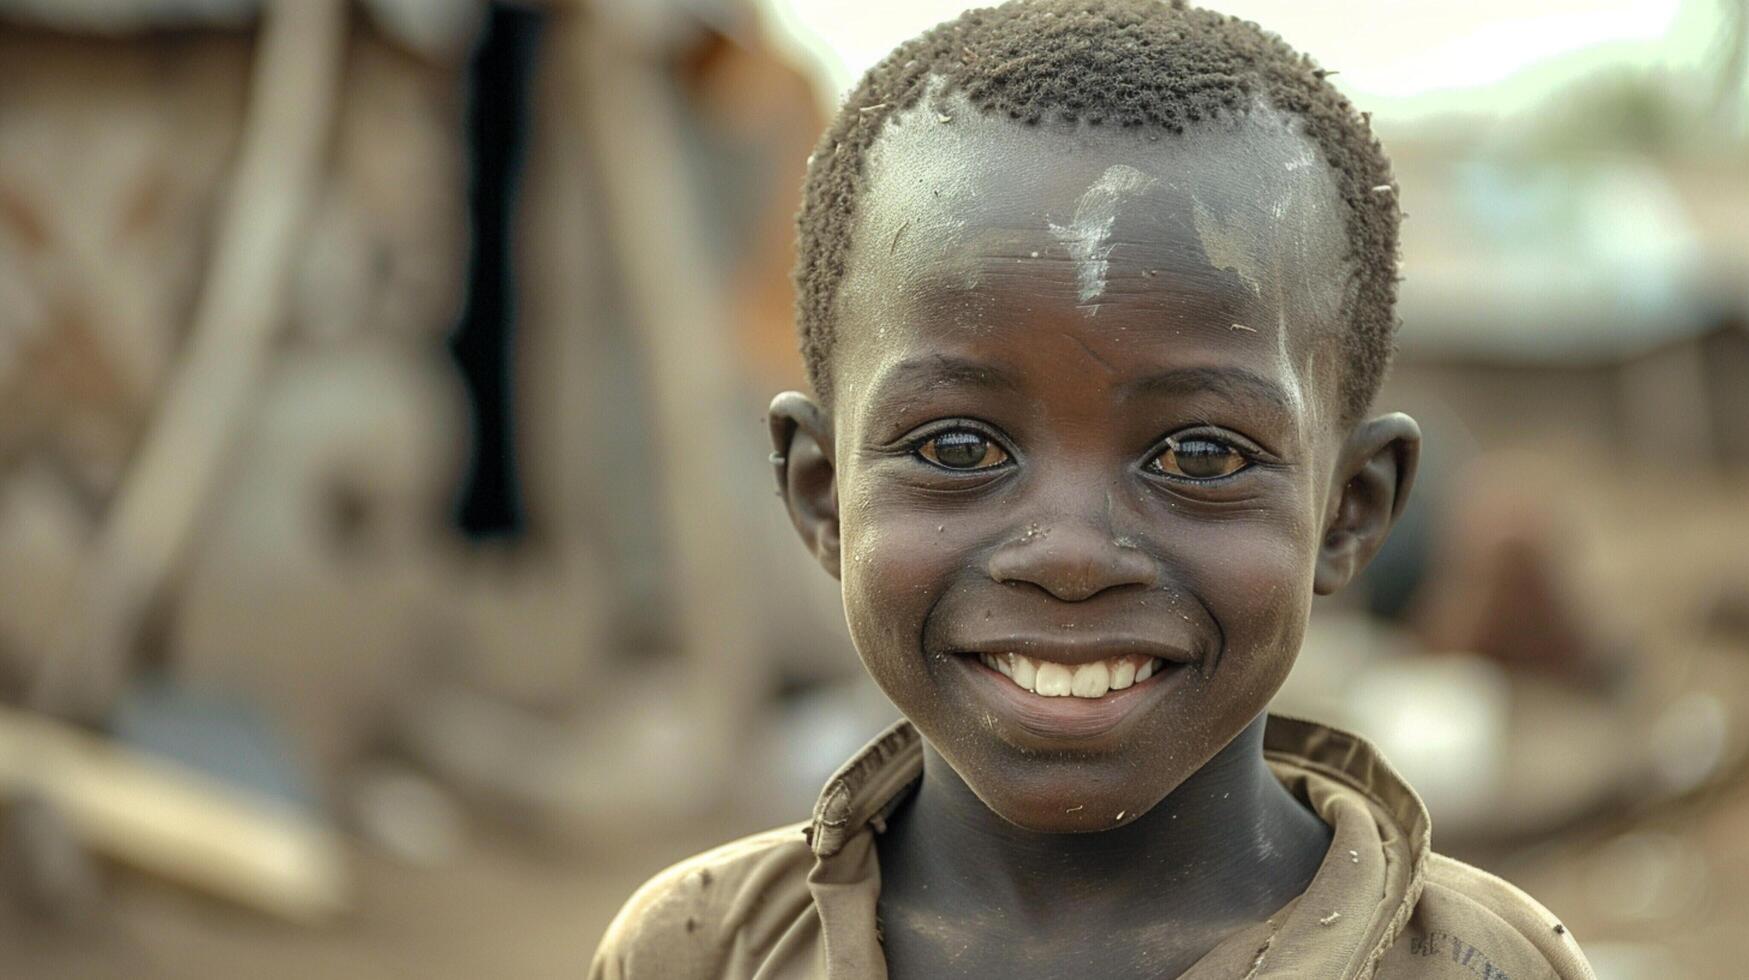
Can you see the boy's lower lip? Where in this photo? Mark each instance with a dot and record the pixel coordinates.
(1066, 719)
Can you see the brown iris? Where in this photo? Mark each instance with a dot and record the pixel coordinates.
(962, 449)
(1200, 458)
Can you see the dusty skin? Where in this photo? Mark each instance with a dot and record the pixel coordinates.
(1087, 410)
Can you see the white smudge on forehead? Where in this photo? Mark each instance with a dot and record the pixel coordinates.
(1228, 246)
(1088, 234)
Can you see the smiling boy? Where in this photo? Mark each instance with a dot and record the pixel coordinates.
(1094, 298)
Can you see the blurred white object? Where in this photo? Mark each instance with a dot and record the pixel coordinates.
(1585, 261)
(1633, 961)
(1442, 721)
(1400, 61)
(1648, 876)
(1688, 741)
(407, 815)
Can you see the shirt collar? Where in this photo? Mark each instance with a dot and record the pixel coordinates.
(1356, 906)
(868, 786)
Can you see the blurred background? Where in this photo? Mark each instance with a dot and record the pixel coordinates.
(390, 575)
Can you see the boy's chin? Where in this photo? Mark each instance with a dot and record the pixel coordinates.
(1075, 805)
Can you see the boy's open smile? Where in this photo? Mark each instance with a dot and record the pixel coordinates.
(1057, 700)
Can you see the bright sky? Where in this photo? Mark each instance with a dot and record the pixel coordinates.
(1398, 58)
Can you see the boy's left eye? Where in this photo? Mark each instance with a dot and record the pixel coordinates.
(1199, 457)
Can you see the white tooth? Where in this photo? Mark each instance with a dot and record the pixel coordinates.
(1005, 664)
(1025, 671)
(984, 659)
(1053, 681)
(1124, 674)
(1145, 671)
(1091, 680)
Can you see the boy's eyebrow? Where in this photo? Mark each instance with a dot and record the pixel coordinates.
(942, 370)
(1228, 382)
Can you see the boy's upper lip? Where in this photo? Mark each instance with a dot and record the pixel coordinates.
(1078, 649)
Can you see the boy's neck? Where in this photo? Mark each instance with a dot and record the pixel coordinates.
(1227, 848)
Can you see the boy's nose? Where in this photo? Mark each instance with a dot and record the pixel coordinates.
(1072, 561)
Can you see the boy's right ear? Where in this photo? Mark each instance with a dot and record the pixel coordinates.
(803, 455)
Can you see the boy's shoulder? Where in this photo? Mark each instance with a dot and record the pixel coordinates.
(748, 891)
(1469, 923)
(757, 906)
(1438, 917)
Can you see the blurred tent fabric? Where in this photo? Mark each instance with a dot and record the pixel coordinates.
(408, 666)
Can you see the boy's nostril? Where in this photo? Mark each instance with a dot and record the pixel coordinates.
(1073, 567)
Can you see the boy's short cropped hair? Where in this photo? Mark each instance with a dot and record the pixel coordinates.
(1123, 63)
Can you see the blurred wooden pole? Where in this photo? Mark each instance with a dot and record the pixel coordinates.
(656, 227)
(169, 820)
(241, 307)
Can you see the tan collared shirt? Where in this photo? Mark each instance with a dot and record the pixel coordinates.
(799, 901)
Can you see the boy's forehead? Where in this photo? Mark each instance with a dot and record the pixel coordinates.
(1112, 218)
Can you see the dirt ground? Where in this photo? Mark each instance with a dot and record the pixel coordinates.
(503, 909)
(1664, 897)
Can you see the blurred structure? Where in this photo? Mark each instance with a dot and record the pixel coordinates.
(386, 543)
(203, 245)
(234, 238)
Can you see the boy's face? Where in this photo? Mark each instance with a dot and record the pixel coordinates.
(1085, 470)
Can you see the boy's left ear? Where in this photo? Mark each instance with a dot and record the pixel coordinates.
(1377, 469)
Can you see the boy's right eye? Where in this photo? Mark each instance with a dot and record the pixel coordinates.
(962, 449)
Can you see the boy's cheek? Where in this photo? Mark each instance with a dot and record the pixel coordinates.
(898, 562)
(1273, 579)
(1256, 582)
(1262, 603)
(891, 570)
